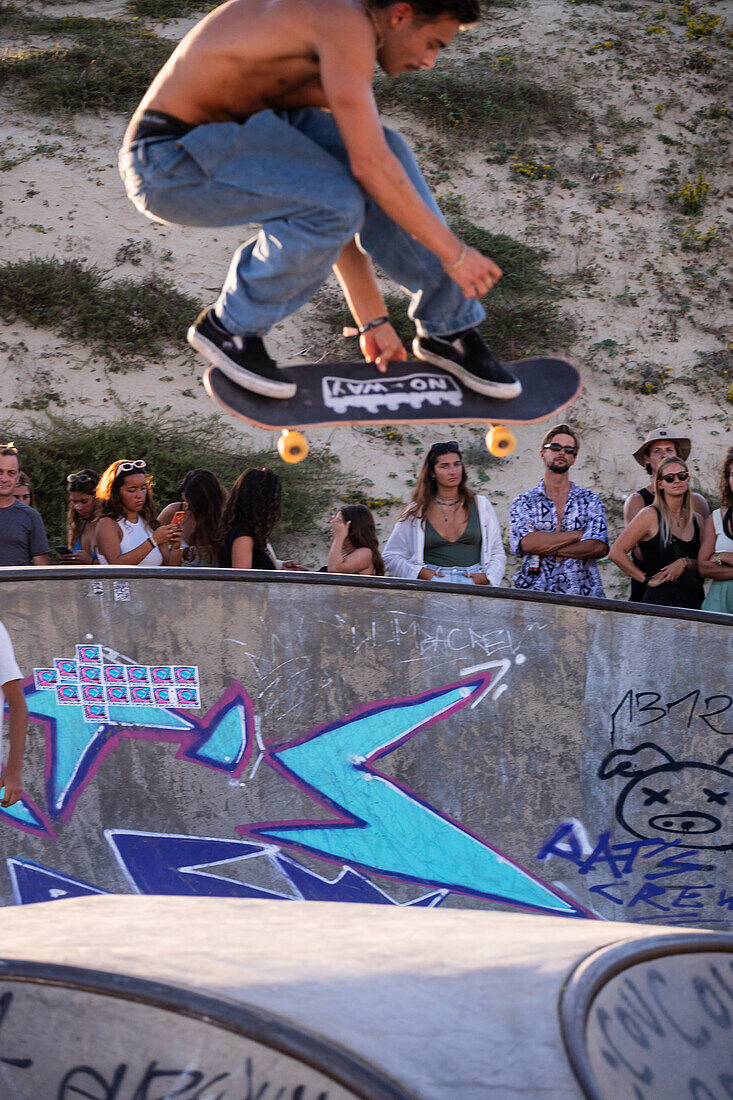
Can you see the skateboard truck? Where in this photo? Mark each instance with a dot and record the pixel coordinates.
(293, 446)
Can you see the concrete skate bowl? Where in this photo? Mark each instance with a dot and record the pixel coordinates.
(653, 1019)
(210, 733)
(70, 1032)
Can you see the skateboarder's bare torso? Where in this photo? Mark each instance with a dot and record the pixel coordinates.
(253, 55)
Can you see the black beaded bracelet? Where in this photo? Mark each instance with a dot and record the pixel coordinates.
(373, 324)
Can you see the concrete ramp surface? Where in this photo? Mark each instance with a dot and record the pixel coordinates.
(139, 998)
(308, 737)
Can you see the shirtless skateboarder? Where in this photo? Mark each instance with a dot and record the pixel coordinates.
(265, 114)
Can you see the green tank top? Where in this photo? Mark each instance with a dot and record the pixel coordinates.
(464, 551)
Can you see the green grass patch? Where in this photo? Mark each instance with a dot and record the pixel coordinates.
(89, 64)
(486, 98)
(161, 10)
(119, 317)
(171, 447)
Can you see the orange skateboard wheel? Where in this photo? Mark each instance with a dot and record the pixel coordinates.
(292, 446)
(500, 442)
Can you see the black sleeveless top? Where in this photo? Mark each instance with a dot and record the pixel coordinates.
(688, 590)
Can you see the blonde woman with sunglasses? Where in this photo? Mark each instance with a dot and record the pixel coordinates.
(668, 536)
(128, 532)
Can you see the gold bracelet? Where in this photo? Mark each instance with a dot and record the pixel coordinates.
(457, 263)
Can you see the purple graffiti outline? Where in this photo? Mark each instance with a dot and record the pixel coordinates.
(44, 829)
(347, 819)
(105, 742)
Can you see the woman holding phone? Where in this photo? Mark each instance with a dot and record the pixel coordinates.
(81, 519)
(199, 514)
(128, 532)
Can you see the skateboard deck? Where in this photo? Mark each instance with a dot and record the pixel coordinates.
(409, 393)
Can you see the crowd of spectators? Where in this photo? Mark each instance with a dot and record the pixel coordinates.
(558, 530)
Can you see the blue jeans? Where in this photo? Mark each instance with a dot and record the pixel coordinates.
(455, 574)
(288, 171)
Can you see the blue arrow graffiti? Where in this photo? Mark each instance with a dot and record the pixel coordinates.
(164, 863)
(221, 740)
(385, 827)
(33, 882)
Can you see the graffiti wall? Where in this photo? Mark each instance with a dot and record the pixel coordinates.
(304, 738)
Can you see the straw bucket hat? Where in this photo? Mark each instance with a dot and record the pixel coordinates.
(683, 444)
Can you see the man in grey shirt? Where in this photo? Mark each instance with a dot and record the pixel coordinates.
(22, 534)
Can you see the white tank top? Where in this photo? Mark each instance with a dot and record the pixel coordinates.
(723, 545)
(133, 534)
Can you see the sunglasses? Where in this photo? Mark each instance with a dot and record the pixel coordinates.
(557, 447)
(9, 448)
(444, 448)
(128, 467)
(669, 478)
(81, 479)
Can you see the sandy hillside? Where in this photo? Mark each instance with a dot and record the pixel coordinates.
(646, 284)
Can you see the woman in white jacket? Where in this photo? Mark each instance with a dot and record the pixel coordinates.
(446, 533)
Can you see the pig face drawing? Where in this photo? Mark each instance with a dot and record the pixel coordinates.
(687, 801)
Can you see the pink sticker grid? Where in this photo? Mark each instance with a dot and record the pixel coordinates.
(138, 674)
(45, 679)
(118, 695)
(68, 694)
(188, 675)
(95, 712)
(141, 695)
(93, 693)
(86, 681)
(114, 674)
(188, 698)
(66, 667)
(161, 674)
(90, 674)
(89, 654)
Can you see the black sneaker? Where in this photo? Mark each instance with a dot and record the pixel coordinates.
(243, 359)
(467, 356)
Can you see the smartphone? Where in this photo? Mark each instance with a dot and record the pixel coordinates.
(62, 551)
(178, 518)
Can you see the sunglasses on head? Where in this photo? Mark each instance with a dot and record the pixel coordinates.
(81, 479)
(669, 478)
(557, 447)
(128, 467)
(444, 448)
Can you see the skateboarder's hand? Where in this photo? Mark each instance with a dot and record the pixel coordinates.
(474, 273)
(382, 346)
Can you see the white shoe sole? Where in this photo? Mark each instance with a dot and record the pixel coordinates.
(246, 380)
(501, 390)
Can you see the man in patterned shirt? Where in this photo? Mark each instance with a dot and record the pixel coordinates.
(557, 527)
